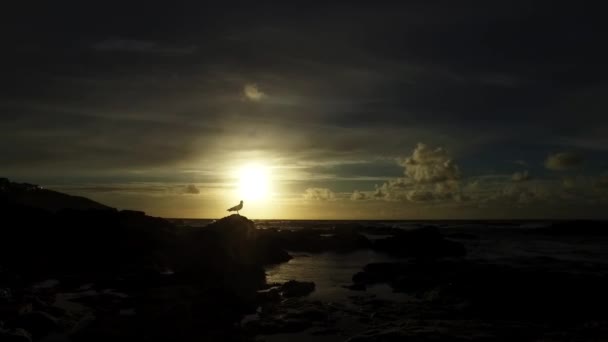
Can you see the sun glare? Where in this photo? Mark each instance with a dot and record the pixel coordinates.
(254, 183)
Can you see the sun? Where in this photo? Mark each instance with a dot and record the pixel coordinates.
(254, 182)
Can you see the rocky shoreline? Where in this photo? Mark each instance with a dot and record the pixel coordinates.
(106, 275)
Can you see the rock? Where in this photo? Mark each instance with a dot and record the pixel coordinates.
(38, 323)
(269, 295)
(447, 330)
(295, 288)
(237, 238)
(574, 228)
(492, 290)
(308, 313)
(355, 287)
(17, 335)
(5, 294)
(422, 242)
(35, 196)
(278, 326)
(290, 316)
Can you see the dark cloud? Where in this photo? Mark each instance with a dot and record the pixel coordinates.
(140, 46)
(191, 189)
(112, 90)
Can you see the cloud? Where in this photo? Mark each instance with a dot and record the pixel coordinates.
(140, 46)
(521, 176)
(381, 193)
(602, 182)
(192, 190)
(253, 93)
(563, 161)
(430, 174)
(428, 165)
(359, 196)
(319, 194)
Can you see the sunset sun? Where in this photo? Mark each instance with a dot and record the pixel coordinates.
(254, 183)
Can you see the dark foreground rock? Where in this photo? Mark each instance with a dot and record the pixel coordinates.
(574, 228)
(295, 288)
(112, 275)
(477, 290)
(463, 330)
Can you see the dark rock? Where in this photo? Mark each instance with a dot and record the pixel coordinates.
(35, 196)
(308, 313)
(38, 323)
(574, 228)
(17, 335)
(295, 288)
(422, 242)
(278, 326)
(269, 295)
(359, 286)
(238, 237)
(463, 236)
(497, 291)
(450, 330)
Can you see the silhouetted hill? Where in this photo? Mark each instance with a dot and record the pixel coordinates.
(35, 196)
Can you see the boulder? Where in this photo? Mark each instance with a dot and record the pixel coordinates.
(38, 323)
(17, 335)
(294, 288)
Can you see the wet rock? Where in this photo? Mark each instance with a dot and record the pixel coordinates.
(293, 315)
(308, 313)
(269, 295)
(38, 323)
(17, 335)
(278, 326)
(294, 288)
(574, 228)
(491, 290)
(422, 242)
(446, 330)
(355, 287)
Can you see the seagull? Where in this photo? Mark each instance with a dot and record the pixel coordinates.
(237, 208)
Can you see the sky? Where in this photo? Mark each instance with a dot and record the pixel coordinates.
(341, 110)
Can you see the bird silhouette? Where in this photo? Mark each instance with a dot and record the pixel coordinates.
(237, 208)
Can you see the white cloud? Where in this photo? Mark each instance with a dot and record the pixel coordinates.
(253, 93)
(359, 196)
(430, 174)
(319, 194)
(428, 165)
